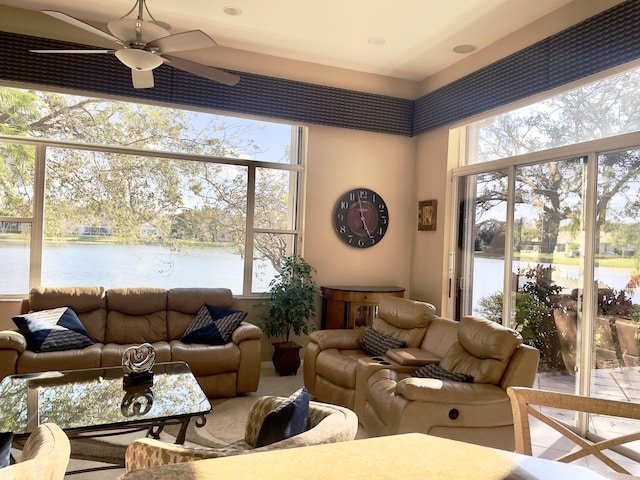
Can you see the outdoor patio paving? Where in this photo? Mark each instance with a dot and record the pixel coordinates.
(621, 384)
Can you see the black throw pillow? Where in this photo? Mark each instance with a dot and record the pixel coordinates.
(213, 325)
(432, 370)
(6, 438)
(53, 330)
(286, 420)
(376, 343)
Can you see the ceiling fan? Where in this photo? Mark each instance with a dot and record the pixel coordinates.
(145, 45)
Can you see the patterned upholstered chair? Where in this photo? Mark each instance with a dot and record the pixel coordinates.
(327, 424)
(45, 456)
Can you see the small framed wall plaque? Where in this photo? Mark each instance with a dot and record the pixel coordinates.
(427, 213)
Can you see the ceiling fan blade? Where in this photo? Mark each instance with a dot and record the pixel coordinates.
(142, 78)
(192, 40)
(80, 24)
(205, 71)
(73, 51)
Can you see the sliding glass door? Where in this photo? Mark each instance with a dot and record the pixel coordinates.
(548, 239)
(616, 300)
(552, 248)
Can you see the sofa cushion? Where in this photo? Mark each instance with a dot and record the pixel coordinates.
(415, 357)
(204, 360)
(213, 326)
(405, 313)
(412, 336)
(483, 350)
(111, 355)
(288, 419)
(136, 315)
(434, 371)
(376, 343)
(441, 334)
(338, 367)
(89, 357)
(53, 330)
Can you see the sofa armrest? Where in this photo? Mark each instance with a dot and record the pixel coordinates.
(340, 339)
(448, 392)
(416, 357)
(148, 452)
(246, 331)
(11, 339)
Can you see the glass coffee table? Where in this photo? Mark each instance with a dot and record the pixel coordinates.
(95, 400)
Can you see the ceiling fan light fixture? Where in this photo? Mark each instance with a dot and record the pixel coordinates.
(137, 59)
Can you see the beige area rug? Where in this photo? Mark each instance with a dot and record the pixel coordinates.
(223, 425)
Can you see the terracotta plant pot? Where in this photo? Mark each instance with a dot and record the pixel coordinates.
(286, 358)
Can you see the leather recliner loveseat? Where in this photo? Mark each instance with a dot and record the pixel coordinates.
(116, 319)
(389, 400)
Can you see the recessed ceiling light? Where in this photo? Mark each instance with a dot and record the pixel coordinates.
(377, 41)
(232, 10)
(464, 48)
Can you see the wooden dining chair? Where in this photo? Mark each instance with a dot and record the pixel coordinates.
(525, 400)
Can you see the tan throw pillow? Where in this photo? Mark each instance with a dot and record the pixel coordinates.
(483, 350)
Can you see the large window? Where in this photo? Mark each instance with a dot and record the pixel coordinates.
(601, 109)
(547, 240)
(98, 192)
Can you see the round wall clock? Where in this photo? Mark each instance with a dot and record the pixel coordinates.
(361, 218)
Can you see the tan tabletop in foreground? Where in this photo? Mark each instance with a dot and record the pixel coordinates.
(412, 456)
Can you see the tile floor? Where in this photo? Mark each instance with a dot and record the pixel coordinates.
(621, 384)
(617, 384)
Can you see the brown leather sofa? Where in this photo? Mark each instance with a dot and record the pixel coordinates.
(117, 318)
(388, 400)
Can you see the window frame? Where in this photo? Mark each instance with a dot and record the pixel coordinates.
(36, 221)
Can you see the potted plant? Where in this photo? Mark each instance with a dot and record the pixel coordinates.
(290, 307)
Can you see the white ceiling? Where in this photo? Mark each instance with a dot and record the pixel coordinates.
(419, 35)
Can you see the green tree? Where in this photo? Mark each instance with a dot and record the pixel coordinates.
(605, 108)
(133, 198)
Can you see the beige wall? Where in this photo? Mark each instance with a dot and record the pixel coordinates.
(339, 160)
(430, 251)
(9, 308)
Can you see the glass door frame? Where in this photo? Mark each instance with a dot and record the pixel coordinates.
(590, 150)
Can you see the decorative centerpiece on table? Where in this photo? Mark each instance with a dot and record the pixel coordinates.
(137, 362)
(290, 309)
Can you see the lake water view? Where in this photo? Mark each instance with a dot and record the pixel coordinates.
(488, 277)
(107, 265)
(127, 266)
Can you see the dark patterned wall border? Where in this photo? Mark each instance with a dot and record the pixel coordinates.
(255, 94)
(603, 41)
(606, 40)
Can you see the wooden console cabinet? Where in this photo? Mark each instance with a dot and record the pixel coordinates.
(349, 307)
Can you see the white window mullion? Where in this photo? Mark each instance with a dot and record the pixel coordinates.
(249, 232)
(37, 226)
(509, 289)
(587, 309)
